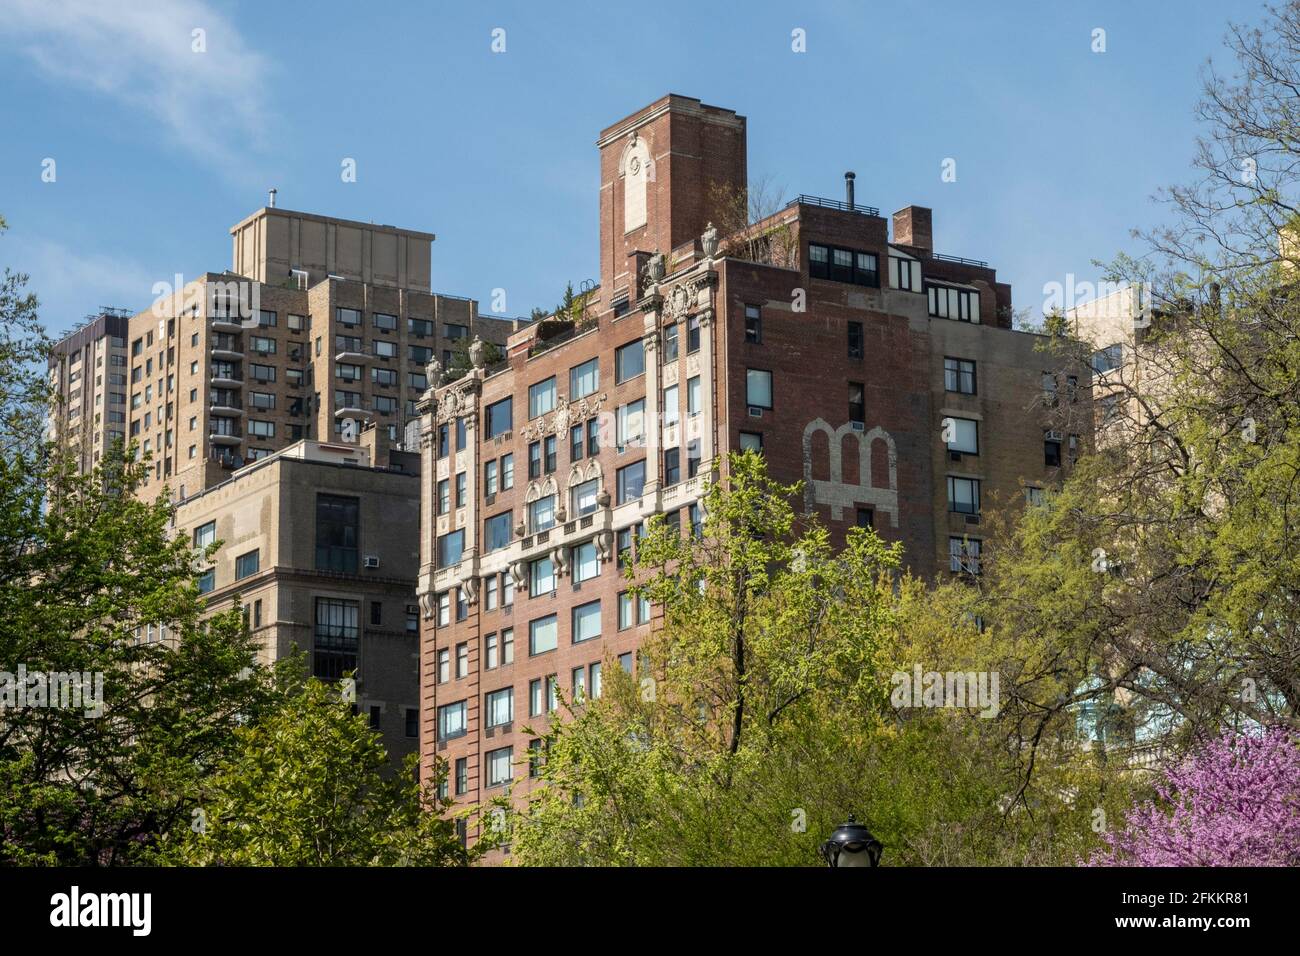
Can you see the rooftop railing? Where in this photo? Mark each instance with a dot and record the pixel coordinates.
(805, 200)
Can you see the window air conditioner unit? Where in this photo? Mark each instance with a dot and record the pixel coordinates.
(1053, 436)
(372, 561)
(954, 456)
(755, 411)
(859, 426)
(972, 519)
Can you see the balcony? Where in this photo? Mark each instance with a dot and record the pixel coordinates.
(223, 431)
(226, 347)
(226, 323)
(226, 459)
(346, 350)
(355, 410)
(226, 403)
(226, 377)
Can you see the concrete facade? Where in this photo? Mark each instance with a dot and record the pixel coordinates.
(349, 608)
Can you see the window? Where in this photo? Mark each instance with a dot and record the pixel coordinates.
(626, 610)
(670, 343)
(264, 401)
(261, 373)
(507, 472)
(753, 325)
(246, 564)
(336, 638)
(348, 317)
(672, 407)
(542, 635)
(261, 429)
(751, 441)
(444, 608)
(462, 661)
(963, 495)
(949, 303)
(585, 563)
(692, 334)
(866, 518)
(1049, 389)
(541, 397)
(444, 665)
(1035, 496)
(412, 618)
(631, 482)
(625, 662)
(758, 388)
(336, 533)
(385, 404)
(490, 478)
(586, 622)
(584, 379)
(1052, 451)
(855, 340)
(261, 344)
(491, 653)
(507, 638)
(462, 775)
(629, 361)
(866, 269)
(959, 376)
(541, 577)
(500, 707)
(1108, 359)
(593, 436)
(496, 532)
(630, 424)
(593, 682)
(578, 679)
(412, 717)
(444, 496)
(348, 373)
(461, 479)
(536, 697)
(451, 720)
(450, 547)
(500, 417)
(693, 396)
(964, 436)
(548, 446)
(456, 331)
(584, 497)
(857, 403)
(843, 265)
(205, 534)
(904, 273)
(672, 466)
(490, 594)
(575, 443)
(541, 514)
(535, 459)
(386, 377)
(964, 555)
(420, 354)
(207, 581)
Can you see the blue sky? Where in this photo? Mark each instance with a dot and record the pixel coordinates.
(158, 149)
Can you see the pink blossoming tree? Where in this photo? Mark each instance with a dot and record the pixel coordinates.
(1235, 802)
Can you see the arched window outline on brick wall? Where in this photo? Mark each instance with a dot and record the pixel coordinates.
(634, 167)
(835, 493)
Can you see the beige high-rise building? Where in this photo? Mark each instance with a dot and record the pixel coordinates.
(321, 325)
(88, 379)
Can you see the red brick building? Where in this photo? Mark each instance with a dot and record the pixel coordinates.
(884, 375)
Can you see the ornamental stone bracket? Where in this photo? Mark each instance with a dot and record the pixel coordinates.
(460, 401)
(689, 296)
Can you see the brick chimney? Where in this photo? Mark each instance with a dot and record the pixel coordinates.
(913, 226)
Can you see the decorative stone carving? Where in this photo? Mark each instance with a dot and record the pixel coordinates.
(605, 544)
(433, 372)
(477, 353)
(655, 267)
(519, 575)
(470, 587)
(520, 530)
(557, 423)
(688, 296)
(560, 558)
(709, 241)
(426, 605)
(603, 499)
(461, 402)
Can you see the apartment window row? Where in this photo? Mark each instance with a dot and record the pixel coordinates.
(843, 265)
(947, 302)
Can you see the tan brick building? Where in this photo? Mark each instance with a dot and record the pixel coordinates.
(884, 375)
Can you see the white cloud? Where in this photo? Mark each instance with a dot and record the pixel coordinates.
(71, 285)
(142, 54)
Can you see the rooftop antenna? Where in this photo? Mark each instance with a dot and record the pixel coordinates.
(272, 194)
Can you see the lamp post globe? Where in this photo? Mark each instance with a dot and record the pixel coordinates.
(852, 845)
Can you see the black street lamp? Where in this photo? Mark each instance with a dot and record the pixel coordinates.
(852, 845)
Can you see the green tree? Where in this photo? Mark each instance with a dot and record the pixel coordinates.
(306, 786)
